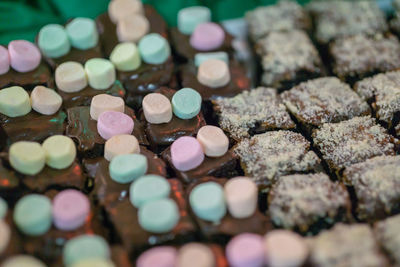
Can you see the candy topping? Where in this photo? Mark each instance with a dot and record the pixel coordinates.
(149, 188)
(120, 145)
(132, 28)
(246, 250)
(85, 247)
(163, 256)
(201, 57)
(60, 151)
(213, 73)
(5, 235)
(125, 57)
(45, 101)
(70, 77)
(4, 60)
(82, 33)
(186, 103)
(241, 195)
(154, 49)
(213, 141)
(118, 10)
(111, 123)
(24, 55)
(105, 102)
(203, 255)
(27, 157)
(128, 167)
(189, 18)
(186, 153)
(159, 216)
(53, 41)
(14, 101)
(207, 36)
(100, 73)
(157, 108)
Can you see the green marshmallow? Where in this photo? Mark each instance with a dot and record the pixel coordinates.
(60, 151)
(201, 57)
(3, 208)
(147, 188)
(125, 57)
(186, 103)
(159, 216)
(208, 202)
(32, 214)
(94, 262)
(14, 101)
(53, 41)
(85, 247)
(154, 49)
(128, 167)
(82, 33)
(27, 157)
(100, 73)
(190, 17)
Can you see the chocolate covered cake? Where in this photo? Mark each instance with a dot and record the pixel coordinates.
(387, 233)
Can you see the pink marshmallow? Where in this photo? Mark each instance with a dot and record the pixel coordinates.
(207, 36)
(164, 256)
(245, 250)
(4, 60)
(111, 123)
(186, 153)
(70, 209)
(24, 55)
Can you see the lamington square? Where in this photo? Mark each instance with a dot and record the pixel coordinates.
(382, 91)
(323, 100)
(288, 58)
(352, 141)
(387, 232)
(267, 156)
(255, 111)
(308, 202)
(376, 184)
(285, 15)
(360, 56)
(346, 245)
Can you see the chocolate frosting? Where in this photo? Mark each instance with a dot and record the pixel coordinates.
(39, 76)
(120, 256)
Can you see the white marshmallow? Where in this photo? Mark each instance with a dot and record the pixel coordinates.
(213, 73)
(119, 9)
(45, 101)
(157, 108)
(195, 255)
(241, 194)
(105, 102)
(5, 235)
(213, 140)
(120, 145)
(132, 28)
(70, 77)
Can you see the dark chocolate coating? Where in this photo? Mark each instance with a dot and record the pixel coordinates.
(239, 82)
(28, 80)
(83, 130)
(120, 256)
(14, 246)
(10, 188)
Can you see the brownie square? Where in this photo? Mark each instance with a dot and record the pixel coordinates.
(335, 19)
(288, 58)
(267, 156)
(376, 184)
(255, 111)
(308, 202)
(383, 93)
(323, 100)
(387, 233)
(352, 141)
(283, 16)
(360, 56)
(28, 80)
(346, 245)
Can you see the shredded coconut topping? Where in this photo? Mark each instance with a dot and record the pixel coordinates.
(384, 90)
(346, 245)
(267, 156)
(301, 200)
(285, 15)
(286, 53)
(352, 141)
(359, 54)
(324, 100)
(388, 233)
(261, 106)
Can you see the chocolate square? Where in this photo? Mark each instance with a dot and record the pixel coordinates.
(28, 80)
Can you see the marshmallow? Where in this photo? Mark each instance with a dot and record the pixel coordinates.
(186, 103)
(148, 188)
(241, 195)
(202, 254)
(186, 153)
(5, 235)
(154, 49)
(190, 17)
(23, 260)
(201, 57)
(127, 167)
(27, 157)
(207, 36)
(45, 101)
(285, 248)
(105, 102)
(24, 55)
(4, 60)
(163, 256)
(3, 208)
(207, 201)
(53, 41)
(125, 57)
(213, 141)
(70, 77)
(213, 73)
(14, 101)
(111, 123)
(32, 214)
(70, 209)
(82, 33)
(132, 28)
(159, 216)
(157, 108)
(246, 250)
(120, 145)
(100, 72)
(60, 151)
(120, 9)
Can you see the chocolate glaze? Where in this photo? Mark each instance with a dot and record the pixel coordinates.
(83, 130)
(28, 80)
(239, 82)
(219, 254)
(84, 97)
(183, 49)
(108, 34)
(120, 256)
(14, 246)
(258, 223)
(107, 190)
(10, 188)
(32, 127)
(224, 166)
(123, 216)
